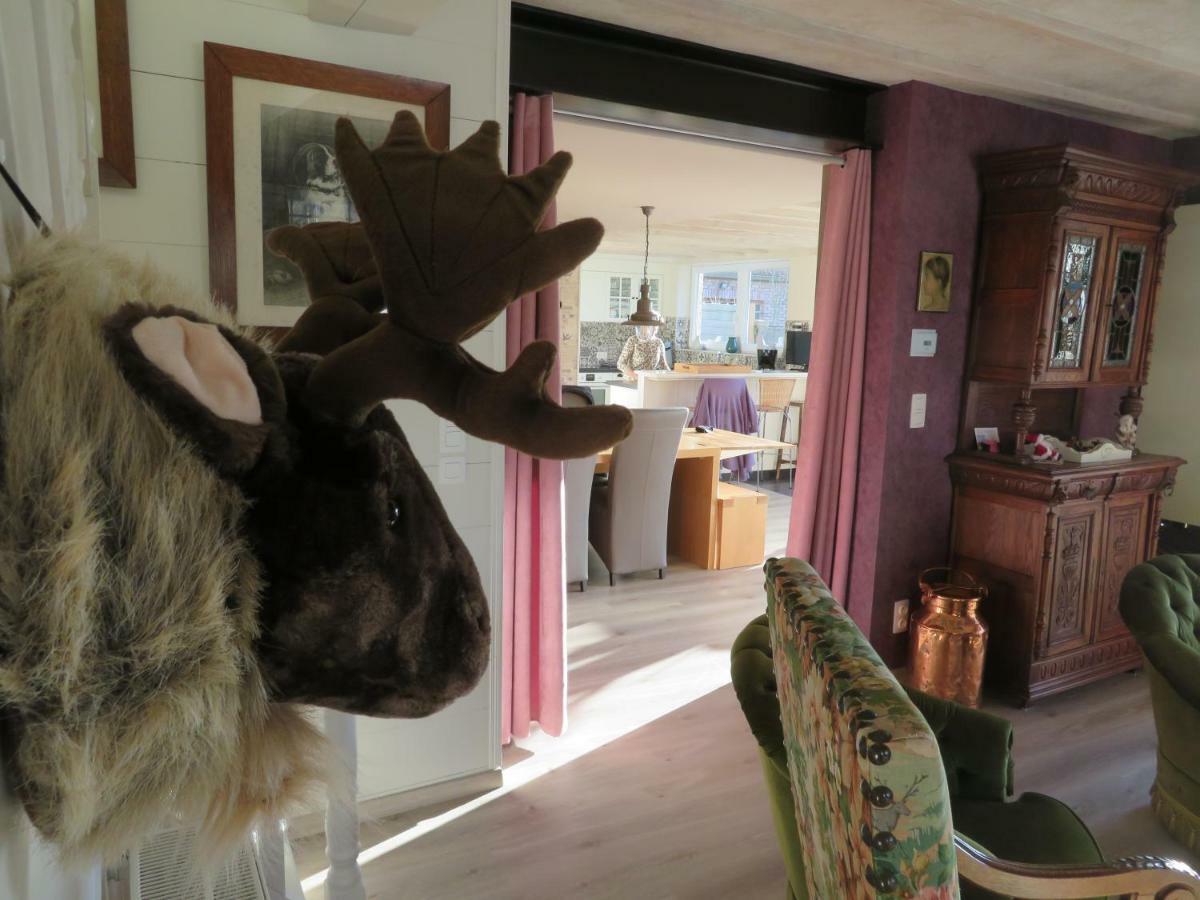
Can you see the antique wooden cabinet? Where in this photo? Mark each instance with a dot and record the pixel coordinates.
(1053, 544)
(1071, 255)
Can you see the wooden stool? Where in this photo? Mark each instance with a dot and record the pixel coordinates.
(775, 396)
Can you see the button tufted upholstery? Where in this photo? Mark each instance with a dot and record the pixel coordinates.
(1160, 602)
(868, 779)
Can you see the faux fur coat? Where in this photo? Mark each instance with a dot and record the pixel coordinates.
(129, 691)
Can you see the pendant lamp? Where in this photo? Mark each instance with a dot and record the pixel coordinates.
(645, 314)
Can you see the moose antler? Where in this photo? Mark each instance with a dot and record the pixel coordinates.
(454, 240)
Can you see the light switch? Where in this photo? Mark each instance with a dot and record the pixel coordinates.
(452, 470)
(452, 440)
(916, 413)
(924, 342)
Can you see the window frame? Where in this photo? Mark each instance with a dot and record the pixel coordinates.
(744, 270)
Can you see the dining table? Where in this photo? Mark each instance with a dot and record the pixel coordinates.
(712, 523)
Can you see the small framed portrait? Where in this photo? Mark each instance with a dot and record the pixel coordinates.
(271, 162)
(933, 280)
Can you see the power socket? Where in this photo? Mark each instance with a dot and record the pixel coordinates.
(900, 617)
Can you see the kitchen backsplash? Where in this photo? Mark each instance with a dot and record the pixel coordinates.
(610, 337)
(722, 359)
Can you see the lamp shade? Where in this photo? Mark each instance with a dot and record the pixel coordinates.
(644, 314)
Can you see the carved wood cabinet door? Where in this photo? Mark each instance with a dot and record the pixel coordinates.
(1125, 521)
(1068, 614)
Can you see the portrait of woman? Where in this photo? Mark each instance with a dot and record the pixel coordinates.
(934, 291)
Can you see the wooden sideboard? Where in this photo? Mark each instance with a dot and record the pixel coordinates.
(1053, 543)
(1072, 249)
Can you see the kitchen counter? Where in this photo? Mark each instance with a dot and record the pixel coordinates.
(756, 374)
(659, 389)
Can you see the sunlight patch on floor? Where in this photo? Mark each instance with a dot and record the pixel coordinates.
(619, 708)
(586, 634)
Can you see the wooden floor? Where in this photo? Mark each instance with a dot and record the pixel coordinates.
(655, 790)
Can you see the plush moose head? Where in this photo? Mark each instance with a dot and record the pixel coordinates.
(248, 528)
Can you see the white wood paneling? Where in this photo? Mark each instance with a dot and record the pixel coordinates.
(166, 37)
(187, 263)
(387, 16)
(170, 206)
(399, 754)
(465, 45)
(168, 117)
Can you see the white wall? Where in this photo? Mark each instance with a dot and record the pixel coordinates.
(1170, 422)
(802, 286)
(596, 270)
(676, 272)
(465, 44)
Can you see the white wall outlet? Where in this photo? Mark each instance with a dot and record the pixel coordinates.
(900, 616)
(924, 342)
(916, 413)
(452, 440)
(452, 470)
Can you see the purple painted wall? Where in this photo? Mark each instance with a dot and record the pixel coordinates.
(926, 197)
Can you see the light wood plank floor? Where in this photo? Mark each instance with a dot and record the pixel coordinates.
(655, 790)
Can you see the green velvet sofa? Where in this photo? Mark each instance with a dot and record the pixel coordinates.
(880, 792)
(1160, 605)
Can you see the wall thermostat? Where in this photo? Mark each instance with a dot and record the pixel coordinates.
(924, 342)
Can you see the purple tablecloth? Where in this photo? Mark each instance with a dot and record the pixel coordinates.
(726, 403)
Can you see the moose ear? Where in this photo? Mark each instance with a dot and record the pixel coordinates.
(201, 361)
(213, 387)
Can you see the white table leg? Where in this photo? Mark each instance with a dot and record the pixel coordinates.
(341, 814)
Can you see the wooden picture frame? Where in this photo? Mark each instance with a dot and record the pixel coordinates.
(118, 165)
(222, 65)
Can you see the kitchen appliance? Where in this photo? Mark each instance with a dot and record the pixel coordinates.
(766, 358)
(797, 350)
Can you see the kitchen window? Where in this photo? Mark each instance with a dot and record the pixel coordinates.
(623, 293)
(747, 301)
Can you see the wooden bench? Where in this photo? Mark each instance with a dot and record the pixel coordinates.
(741, 526)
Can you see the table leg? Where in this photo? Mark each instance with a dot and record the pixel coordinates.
(783, 424)
(691, 520)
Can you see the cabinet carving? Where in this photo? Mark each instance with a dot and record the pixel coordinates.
(1125, 535)
(1074, 561)
(1053, 546)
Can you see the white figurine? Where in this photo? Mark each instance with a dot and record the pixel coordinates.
(1127, 432)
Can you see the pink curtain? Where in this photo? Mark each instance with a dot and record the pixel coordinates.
(822, 518)
(535, 592)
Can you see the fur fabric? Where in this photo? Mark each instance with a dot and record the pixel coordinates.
(129, 598)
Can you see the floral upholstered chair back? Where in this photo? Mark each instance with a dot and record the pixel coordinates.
(871, 797)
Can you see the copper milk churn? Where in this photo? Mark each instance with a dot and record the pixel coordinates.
(946, 637)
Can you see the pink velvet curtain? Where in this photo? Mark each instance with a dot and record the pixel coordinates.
(822, 519)
(534, 627)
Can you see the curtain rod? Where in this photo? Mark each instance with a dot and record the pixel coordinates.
(695, 126)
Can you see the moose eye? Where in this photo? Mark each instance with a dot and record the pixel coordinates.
(393, 514)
